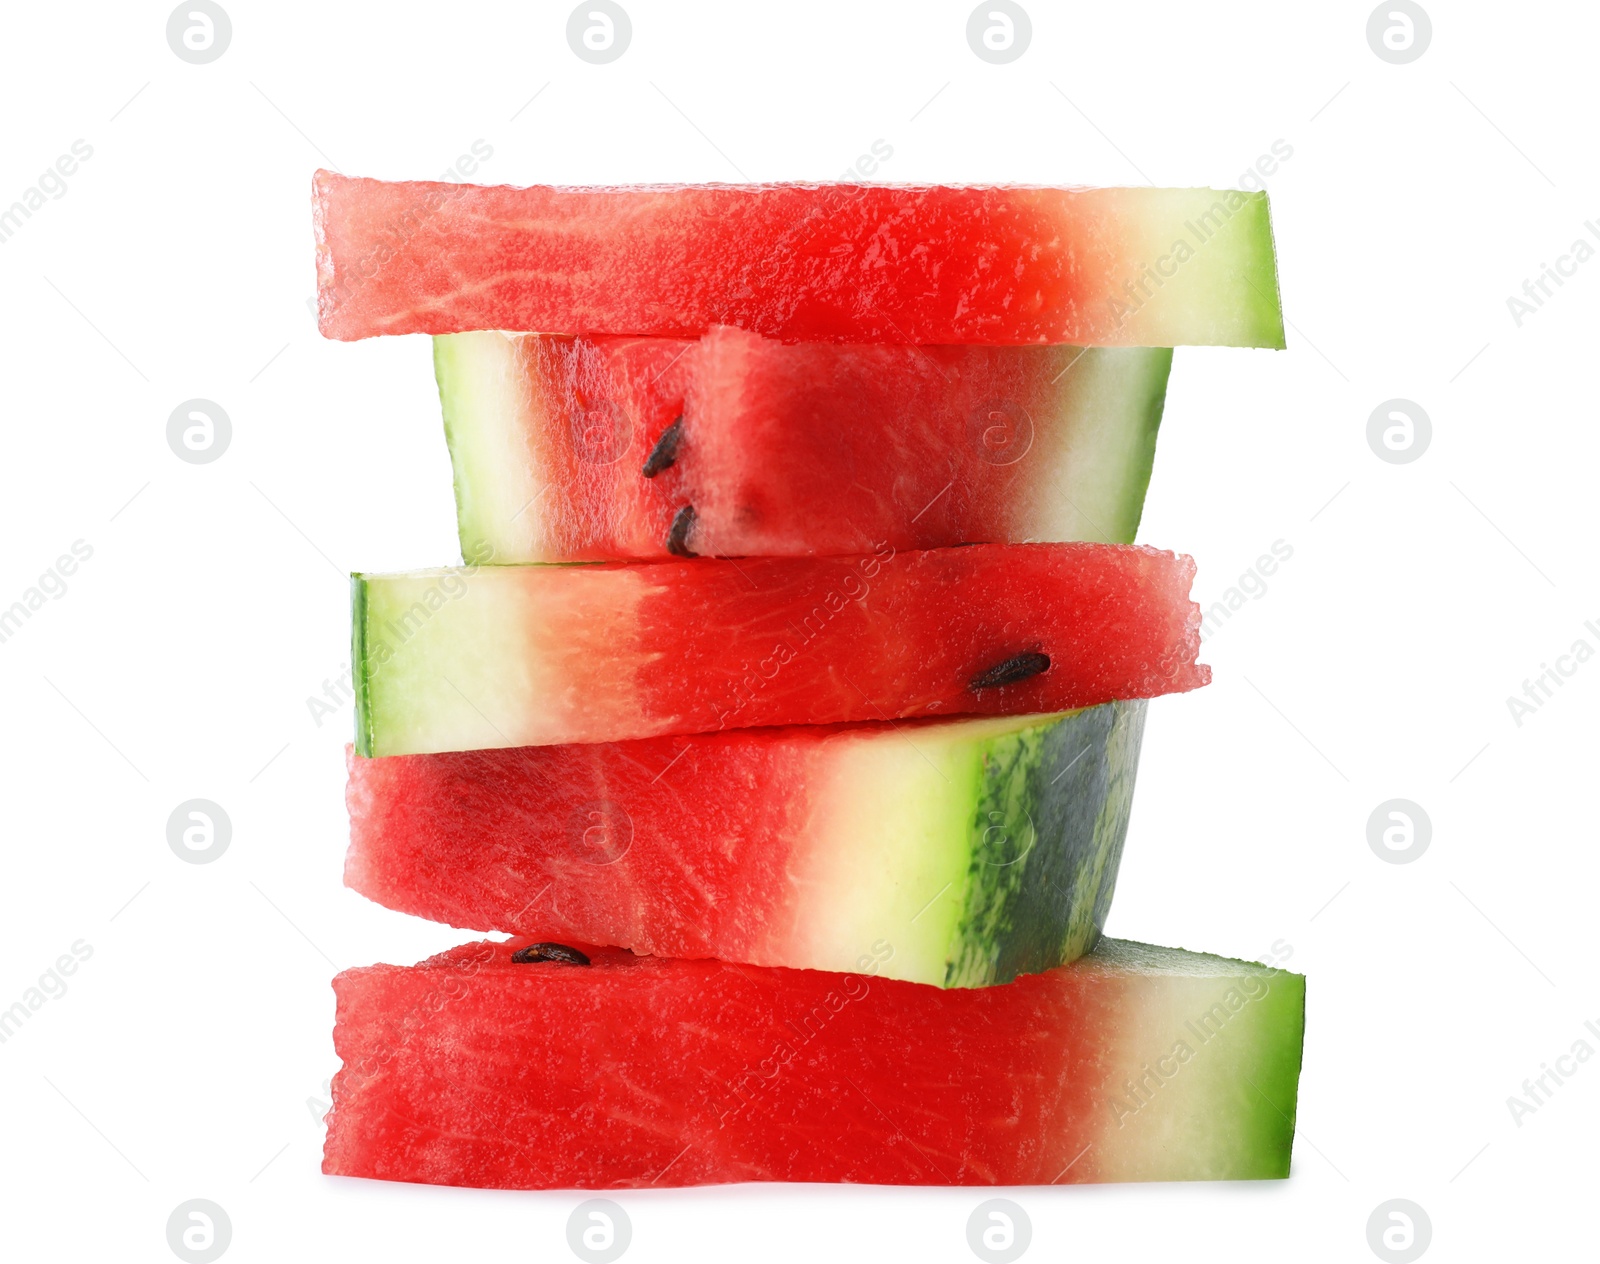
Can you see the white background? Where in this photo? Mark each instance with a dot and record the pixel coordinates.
(189, 1053)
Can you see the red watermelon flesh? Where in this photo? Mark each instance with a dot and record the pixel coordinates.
(572, 449)
(986, 848)
(492, 656)
(1134, 1063)
(1007, 265)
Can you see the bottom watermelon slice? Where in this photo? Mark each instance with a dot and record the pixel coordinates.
(1134, 1063)
(982, 848)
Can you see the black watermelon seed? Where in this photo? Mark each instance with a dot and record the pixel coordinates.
(1012, 670)
(678, 533)
(558, 953)
(666, 450)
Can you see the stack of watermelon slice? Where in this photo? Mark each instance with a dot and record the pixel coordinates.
(786, 707)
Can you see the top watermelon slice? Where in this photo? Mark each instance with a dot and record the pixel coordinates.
(1006, 265)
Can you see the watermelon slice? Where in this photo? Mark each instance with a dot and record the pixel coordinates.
(1133, 1063)
(490, 656)
(983, 848)
(589, 448)
(1006, 265)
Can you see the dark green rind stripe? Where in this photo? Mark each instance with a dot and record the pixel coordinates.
(360, 674)
(1046, 839)
(1122, 765)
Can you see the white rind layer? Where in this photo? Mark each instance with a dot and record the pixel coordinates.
(492, 425)
(1092, 460)
(470, 659)
(1192, 1081)
(890, 848)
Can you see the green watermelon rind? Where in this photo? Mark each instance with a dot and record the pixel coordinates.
(485, 476)
(1149, 368)
(1225, 1109)
(961, 852)
(1269, 313)
(1086, 479)
(1056, 798)
(1207, 1084)
(1220, 271)
(358, 664)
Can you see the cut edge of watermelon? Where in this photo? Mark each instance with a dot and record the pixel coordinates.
(1098, 495)
(360, 675)
(492, 467)
(1166, 1060)
(470, 658)
(1194, 1063)
(1192, 310)
(966, 852)
(1088, 468)
(1210, 284)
